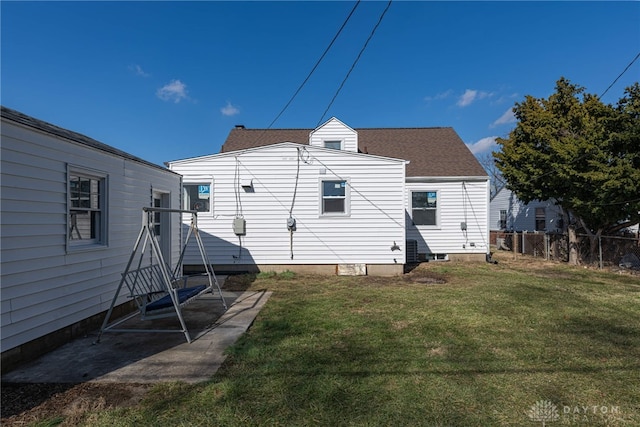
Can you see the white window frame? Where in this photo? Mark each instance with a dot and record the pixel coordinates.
(191, 181)
(73, 232)
(333, 141)
(347, 197)
(437, 208)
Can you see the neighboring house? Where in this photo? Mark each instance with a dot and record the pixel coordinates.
(364, 199)
(508, 213)
(71, 211)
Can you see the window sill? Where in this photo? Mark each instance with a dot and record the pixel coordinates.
(81, 247)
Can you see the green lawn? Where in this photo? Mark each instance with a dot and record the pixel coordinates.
(481, 349)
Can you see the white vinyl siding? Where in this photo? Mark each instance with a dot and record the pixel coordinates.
(44, 287)
(335, 131)
(459, 202)
(376, 206)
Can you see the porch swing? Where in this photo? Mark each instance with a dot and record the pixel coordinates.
(156, 289)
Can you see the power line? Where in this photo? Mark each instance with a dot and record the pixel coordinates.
(316, 65)
(623, 71)
(355, 62)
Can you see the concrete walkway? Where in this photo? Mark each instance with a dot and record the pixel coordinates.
(143, 357)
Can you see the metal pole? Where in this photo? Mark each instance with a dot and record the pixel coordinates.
(546, 246)
(600, 251)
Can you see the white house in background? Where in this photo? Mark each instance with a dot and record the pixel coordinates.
(71, 211)
(364, 199)
(508, 213)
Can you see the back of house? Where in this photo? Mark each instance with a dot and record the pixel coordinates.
(365, 200)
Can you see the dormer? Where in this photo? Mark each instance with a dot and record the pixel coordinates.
(336, 135)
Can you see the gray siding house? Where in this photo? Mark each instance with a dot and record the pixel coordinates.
(508, 213)
(71, 211)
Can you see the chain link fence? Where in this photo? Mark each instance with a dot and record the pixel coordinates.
(602, 252)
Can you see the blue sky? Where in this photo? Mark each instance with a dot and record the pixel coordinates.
(168, 80)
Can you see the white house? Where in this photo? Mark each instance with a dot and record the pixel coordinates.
(71, 211)
(507, 212)
(369, 199)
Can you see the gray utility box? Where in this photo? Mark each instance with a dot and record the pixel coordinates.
(239, 226)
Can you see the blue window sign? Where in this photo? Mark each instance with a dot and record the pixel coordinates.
(203, 191)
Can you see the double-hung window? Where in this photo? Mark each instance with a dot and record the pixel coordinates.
(424, 207)
(335, 199)
(87, 207)
(197, 196)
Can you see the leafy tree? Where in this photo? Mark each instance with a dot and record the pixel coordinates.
(584, 154)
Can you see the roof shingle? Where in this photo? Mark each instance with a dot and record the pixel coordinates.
(432, 152)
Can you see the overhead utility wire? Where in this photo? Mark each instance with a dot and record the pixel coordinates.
(315, 66)
(623, 71)
(354, 62)
(311, 72)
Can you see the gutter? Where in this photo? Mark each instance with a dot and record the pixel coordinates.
(446, 178)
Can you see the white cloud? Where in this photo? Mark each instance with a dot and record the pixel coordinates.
(138, 70)
(483, 145)
(174, 91)
(229, 110)
(441, 95)
(506, 118)
(471, 96)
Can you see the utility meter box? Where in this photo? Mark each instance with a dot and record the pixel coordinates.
(239, 226)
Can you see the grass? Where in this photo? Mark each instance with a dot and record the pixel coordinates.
(478, 350)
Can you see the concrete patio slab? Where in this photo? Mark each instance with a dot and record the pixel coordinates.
(145, 357)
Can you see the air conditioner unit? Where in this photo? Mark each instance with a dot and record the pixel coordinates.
(412, 251)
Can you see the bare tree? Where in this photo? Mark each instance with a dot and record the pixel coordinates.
(495, 176)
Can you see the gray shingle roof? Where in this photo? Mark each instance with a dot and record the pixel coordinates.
(432, 152)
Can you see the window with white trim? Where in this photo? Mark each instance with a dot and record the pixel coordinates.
(335, 145)
(197, 196)
(424, 207)
(334, 197)
(87, 214)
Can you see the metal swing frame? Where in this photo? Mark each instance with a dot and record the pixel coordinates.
(154, 287)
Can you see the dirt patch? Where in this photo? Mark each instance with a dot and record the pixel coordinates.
(423, 275)
(69, 403)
